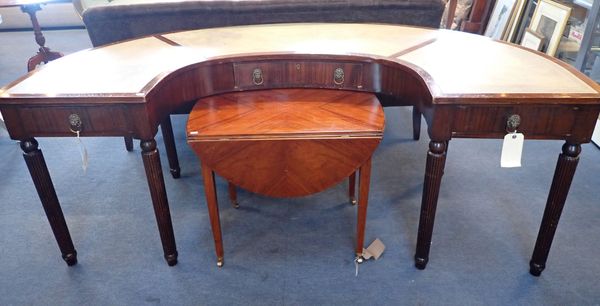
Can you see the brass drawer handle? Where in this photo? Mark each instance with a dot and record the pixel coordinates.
(75, 124)
(257, 77)
(338, 76)
(513, 123)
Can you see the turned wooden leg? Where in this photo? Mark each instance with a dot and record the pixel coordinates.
(128, 143)
(416, 121)
(363, 201)
(44, 54)
(169, 139)
(43, 184)
(233, 195)
(563, 176)
(213, 211)
(352, 188)
(434, 170)
(156, 183)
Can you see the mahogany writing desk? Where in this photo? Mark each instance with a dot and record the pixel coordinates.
(464, 85)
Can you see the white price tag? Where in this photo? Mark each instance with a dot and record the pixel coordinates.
(512, 149)
(83, 152)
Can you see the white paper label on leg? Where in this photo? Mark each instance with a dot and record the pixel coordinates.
(83, 152)
(512, 149)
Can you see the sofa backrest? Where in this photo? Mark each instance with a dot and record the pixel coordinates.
(119, 20)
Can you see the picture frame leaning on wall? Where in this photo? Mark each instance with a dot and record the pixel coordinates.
(500, 18)
(550, 19)
(532, 39)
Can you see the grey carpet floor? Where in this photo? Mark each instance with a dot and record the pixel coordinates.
(297, 251)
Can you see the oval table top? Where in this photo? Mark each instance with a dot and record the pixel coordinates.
(286, 114)
(286, 142)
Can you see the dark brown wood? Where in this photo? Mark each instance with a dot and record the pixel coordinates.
(364, 182)
(563, 176)
(128, 143)
(167, 132)
(213, 210)
(158, 193)
(233, 195)
(416, 121)
(43, 184)
(352, 188)
(285, 73)
(434, 170)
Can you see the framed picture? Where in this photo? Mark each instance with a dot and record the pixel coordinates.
(532, 39)
(550, 19)
(515, 18)
(499, 20)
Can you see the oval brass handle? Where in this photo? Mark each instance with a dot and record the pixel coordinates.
(257, 77)
(512, 123)
(75, 124)
(338, 76)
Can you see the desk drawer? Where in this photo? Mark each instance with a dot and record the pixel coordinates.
(89, 120)
(534, 121)
(279, 74)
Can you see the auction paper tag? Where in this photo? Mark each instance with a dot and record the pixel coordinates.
(374, 250)
(512, 149)
(84, 153)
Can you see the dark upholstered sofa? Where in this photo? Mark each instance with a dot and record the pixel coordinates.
(118, 20)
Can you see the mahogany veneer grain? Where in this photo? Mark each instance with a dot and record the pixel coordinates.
(286, 143)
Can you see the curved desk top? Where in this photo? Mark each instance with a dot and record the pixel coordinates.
(453, 64)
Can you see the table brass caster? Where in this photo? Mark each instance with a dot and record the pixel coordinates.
(220, 262)
(359, 259)
(353, 201)
(235, 204)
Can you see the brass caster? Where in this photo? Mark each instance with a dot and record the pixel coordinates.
(359, 259)
(220, 262)
(235, 204)
(353, 201)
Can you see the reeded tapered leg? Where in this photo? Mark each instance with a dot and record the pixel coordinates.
(416, 120)
(233, 195)
(364, 181)
(563, 176)
(45, 189)
(169, 140)
(352, 188)
(156, 183)
(434, 170)
(213, 211)
(128, 143)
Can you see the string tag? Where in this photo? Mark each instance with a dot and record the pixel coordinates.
(374, 250)
(83, 152)
(512, 150)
